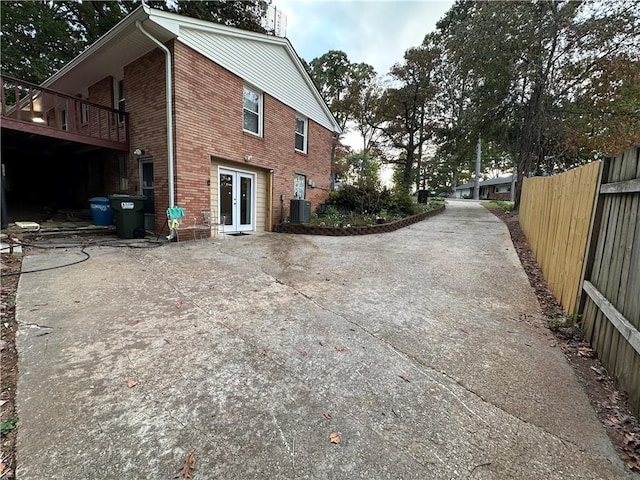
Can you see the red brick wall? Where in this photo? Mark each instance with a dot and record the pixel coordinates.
(208, 103)
(208, 123)
(144, 90)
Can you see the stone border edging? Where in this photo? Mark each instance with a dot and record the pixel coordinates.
(304, 229)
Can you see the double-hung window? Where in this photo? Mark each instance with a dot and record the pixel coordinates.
(301, 134)
(252, 111)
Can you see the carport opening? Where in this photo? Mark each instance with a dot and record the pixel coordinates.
(52, 180)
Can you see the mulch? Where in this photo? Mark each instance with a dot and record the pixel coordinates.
(607, 399)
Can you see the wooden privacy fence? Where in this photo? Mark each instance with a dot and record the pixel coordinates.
(611, 307)
(584, 228)
(555, 215)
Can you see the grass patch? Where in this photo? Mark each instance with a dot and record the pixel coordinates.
(6, 427)
(499, 205)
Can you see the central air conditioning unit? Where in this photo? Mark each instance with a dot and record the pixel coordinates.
(300, 211)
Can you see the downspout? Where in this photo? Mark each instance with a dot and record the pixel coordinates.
(169, 87)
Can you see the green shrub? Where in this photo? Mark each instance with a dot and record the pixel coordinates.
(360, 199)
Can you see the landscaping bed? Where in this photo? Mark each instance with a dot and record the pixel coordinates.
(347, 230)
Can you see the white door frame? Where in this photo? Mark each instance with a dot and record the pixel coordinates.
(235, 225)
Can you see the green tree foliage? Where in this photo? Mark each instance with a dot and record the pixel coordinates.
(351, 92)
(39, 37)
(36, 39)
(536, 74)
(340, 82)
(404, 111)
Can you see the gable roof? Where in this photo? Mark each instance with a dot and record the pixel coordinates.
(267, 62)
(486, 183)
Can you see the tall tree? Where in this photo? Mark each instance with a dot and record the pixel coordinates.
(404, 112)
(350, 91)
(526, 60)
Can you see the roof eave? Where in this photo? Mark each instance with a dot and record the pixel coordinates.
(139, 14)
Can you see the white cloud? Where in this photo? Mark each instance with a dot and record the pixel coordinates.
(375, 32)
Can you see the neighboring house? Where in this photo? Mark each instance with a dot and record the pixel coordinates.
(250, 129)
(494, 189)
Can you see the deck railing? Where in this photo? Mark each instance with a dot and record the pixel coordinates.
(36, 107)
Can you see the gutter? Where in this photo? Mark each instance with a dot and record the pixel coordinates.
(169, 88)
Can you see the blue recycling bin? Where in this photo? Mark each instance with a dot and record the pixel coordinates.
(101, 211)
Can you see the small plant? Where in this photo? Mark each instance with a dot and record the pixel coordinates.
(6, 427)
(569, 320)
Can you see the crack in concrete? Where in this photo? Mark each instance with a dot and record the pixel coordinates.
(420, 366)
(417, 362)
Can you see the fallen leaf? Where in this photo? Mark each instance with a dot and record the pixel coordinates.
(334, 437)
(585, 352)
(340, 349)
(186, 472)
(131, 383)
(614, 420)
(629, 437)
(405, 378)
(179, 304)
(327, 415)
(2, 467)
(321, 343)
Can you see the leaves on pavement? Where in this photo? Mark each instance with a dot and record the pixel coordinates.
(405, 378)
(334, 437)
(186, 472)
(131, 383)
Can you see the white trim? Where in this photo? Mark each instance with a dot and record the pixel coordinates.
(141, 13)
(235, 226)
(167, 26)
(259, 113)
(305, 133)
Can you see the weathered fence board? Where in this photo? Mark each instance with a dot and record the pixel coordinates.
(611, 307)
(555, 215)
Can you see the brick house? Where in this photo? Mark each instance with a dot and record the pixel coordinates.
(243, 129)
(501, 188)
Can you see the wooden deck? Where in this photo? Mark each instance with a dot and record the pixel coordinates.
(35, 110)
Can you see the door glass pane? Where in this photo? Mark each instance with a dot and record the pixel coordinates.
(245, 200)
(147, 187)
(226, 199)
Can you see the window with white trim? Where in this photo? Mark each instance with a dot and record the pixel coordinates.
(252, 111)
(301, 134)
(299, 185)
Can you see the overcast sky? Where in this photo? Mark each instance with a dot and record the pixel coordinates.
(373, 31)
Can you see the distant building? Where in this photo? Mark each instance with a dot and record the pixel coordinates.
(492, 189)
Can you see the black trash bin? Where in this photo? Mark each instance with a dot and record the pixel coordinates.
(128, 212)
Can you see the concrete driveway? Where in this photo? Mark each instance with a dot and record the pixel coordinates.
(423, 349)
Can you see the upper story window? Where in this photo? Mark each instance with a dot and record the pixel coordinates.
(301, 134)
(252, 111)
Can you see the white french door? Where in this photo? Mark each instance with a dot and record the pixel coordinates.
(236, 201)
